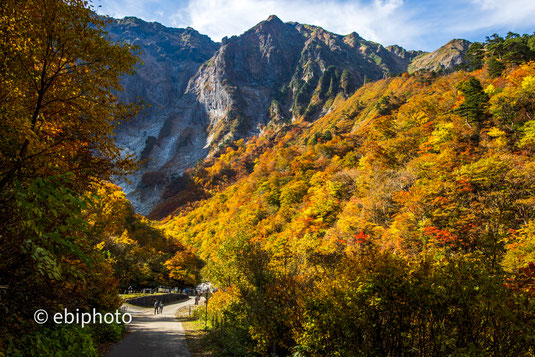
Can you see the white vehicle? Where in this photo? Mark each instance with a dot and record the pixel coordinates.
(205, 287)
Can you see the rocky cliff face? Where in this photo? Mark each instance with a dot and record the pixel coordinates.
(170, 57)
(236, 86)
(445, 59)
(203, 95)
(277, 72)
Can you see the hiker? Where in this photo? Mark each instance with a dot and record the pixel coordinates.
(155, 307)
(161, 307)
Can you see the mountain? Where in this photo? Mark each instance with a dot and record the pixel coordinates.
(204, 95)
(446, 58)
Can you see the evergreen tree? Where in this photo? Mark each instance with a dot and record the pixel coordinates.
(516, 48)
(475, 55)
(494, 46)
(496, 67)
(474, 107)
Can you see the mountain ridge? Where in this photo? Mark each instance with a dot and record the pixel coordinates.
(204, 95)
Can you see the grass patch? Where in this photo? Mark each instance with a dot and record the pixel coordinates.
(136, 295)
(217, 338)
(199, 340)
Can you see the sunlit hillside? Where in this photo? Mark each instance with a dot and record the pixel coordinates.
(409, 209)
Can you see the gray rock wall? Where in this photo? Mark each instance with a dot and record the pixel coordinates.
(148, 300)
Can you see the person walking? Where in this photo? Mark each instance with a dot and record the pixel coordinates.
(156, 305)
(161, 307)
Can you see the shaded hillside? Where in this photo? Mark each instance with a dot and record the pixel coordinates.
(170, 57)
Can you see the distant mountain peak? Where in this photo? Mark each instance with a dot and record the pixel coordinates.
(273, 18)
(446, 58)
(353, 35)
(136, 21)
(458, 40)
(458, 43)
(272, 22)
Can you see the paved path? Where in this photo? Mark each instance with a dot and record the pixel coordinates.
(153, 335)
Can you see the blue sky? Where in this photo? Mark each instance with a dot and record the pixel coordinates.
(413, 24)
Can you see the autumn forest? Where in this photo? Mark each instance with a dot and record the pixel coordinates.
(400, 223)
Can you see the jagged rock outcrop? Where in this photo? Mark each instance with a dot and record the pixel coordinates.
(404, 57)
(445, 59)
(203, 95)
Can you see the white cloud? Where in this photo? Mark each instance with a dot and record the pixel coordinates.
(384, 21)
(486, 4)
(413, 24)
(487, 14)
